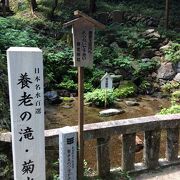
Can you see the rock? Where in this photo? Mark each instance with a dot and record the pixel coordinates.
(64, 93)
(117, 16)
(147, 53)
(103, 17)
(166, 71)
(89, 104)
(154, 35)
(178, 67)
(154, 75)
(52, 97)
(156, 58)
(145, 60)
(132, 103)
(148, 31)
(111, 112)
(177, 77)
(158, 53)
(165, 47)
(67, 99)
(114, 45)
(67, 106)
(139, 144)
(152, 22)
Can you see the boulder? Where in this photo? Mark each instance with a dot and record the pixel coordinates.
(165, 47)
(111, 112)
(52, 97)
(166, 71)
(147, 53)
(139, 144)
(177, 77)
(148, 31)
(103, 17)
(117, 16)
(132, 103)
(178, 67)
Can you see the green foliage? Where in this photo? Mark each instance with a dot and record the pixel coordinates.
(87, 170)
(57, 68)
(67, 84)
(4, 104)
(54, 171)
(99, 96)
(127, 89)
(125, 175)
(15, 33)
(173, 53)
(142, 69)
(5, 167)
(175, 99)
(94, 77)
(175, 109)
(124, 62)
(144, 87)
(88, 87)
(170, 87)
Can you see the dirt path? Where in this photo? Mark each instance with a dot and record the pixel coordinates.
(170, 173)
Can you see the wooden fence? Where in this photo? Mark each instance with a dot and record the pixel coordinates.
(151, 126)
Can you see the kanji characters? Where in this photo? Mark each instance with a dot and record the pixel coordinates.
(26, 134)
(28, 167)
(26, 99)
(24, 80)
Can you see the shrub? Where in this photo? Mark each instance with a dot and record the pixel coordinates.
(99, 96)
(5, 167)
(144, 87)
(125, 90)
(175, 97)
(173, 53)
(172, 110)
(170, 87)
(68, 85)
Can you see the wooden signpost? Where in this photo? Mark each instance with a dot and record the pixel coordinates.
(26, 91)
(83, 44)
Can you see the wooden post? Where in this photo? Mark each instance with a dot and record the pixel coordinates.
(83, 45)
(105, 102)
(167, 14)
(80, 121)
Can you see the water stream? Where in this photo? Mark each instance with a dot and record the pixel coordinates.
(66, 115)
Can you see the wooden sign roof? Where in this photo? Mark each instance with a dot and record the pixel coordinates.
(81, 15)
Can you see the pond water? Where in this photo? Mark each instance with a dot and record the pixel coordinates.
(66, 115)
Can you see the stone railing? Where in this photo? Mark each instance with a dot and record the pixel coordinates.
(151, 126)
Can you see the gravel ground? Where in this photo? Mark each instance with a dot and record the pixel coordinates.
(170, 173)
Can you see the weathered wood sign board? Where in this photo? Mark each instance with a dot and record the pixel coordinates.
(83, 43)
(68, 153)
(25, 74)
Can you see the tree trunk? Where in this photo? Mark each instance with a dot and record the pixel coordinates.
(167, 14)
(54, 6)
(33, 4)
(92, 6)
(3, 8)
